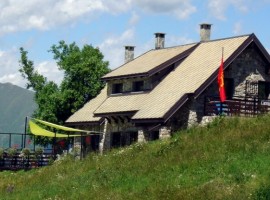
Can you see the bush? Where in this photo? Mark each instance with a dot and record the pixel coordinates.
(12, 152)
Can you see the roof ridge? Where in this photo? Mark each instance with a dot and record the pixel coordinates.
(176, 46)
(193, 43)
(233, 37)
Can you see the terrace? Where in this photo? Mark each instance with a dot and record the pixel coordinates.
(236, 106)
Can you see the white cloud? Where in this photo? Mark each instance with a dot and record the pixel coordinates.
(9, 69)
(50, 70)
(134, 19)
(19, 15)
(14, 78)
(180, 8)
(237, 29)
(113, 47)
(219, 7)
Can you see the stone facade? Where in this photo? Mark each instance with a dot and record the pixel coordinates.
(128, 84)
(142, 136)
(164, 132)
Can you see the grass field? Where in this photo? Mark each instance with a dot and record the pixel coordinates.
(228, 159)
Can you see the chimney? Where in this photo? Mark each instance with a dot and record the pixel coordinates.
(160, 40)
(205, 32)
(129, 53)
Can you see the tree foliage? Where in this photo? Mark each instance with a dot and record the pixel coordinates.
(82, 67)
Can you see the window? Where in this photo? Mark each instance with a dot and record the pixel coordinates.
(117, 88)
(229, 87)
(263, 89)
(138, 86)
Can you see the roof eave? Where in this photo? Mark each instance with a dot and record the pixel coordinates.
(176, 107)
(80, 123)
(147, 120)
(108, 114)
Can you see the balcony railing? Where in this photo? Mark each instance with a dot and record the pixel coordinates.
(237, 106)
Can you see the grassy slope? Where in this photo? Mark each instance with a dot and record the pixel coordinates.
(229, 159)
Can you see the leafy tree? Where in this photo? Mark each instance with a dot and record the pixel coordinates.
(82, 67)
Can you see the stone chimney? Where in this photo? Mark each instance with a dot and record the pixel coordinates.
(129, 53)
(205, 32)
(160, 40)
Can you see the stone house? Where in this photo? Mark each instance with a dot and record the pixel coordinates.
(165, 89)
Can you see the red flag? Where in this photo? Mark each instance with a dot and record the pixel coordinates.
(221, 87)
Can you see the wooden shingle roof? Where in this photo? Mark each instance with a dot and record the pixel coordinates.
(199, 67)
(146, 64)
(188, 76)
(86, 113)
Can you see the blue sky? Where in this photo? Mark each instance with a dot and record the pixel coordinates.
(111, 24)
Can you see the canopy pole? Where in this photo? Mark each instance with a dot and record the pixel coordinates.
(25, 131)
(54, 144)
(81, 147)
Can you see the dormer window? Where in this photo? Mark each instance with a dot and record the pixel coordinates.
(117, 88)
(138, 86)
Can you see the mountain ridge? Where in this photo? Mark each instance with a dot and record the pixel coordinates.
(15, 104)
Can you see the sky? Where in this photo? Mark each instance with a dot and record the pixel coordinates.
(112, 24)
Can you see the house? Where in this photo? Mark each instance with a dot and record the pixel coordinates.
(164, 89)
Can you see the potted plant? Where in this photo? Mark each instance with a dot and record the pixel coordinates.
(38, 153)
(25, 155)
(11, 154)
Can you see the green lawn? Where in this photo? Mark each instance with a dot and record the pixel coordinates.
(229, 159)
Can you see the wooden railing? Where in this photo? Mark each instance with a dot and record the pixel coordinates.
(237, 106)
(18, 162)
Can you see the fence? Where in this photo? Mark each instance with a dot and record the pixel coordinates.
(19, 161)
(17, 142)
(236, 106)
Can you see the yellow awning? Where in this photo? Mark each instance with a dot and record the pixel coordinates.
(64, 128)
(37, 130)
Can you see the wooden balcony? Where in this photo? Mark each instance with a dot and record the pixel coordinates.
(237, 106)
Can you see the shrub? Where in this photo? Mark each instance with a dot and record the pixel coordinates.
(12, 152)
(39, 151)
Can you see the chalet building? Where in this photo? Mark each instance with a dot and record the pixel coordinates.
(164, 89)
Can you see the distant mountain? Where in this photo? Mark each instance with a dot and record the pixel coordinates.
(15, 104)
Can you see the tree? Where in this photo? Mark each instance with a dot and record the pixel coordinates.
(82, 69)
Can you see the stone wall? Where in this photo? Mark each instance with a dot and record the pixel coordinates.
(249, 66)
(164, 132)
(142, 135)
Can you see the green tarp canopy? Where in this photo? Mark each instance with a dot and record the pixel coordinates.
(39, 131)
